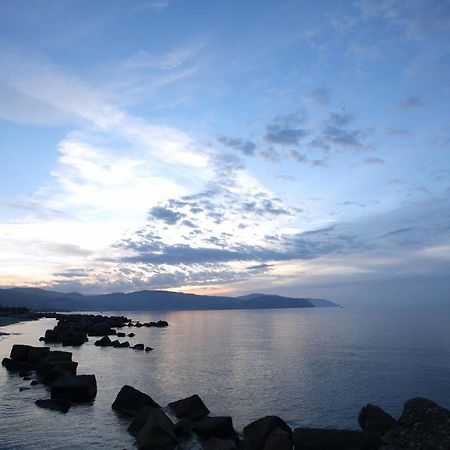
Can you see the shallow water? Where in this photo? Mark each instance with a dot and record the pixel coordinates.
(311, 367)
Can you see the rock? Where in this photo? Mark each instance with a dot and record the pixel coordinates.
(19, 352)
(191, 407)
(105, 341)
(258, 431)
(139, 420)
(34, 383)
(16, 365)
(56, 363)
(120, 334)
(115, 343)
(138, 347)
(278, 439)
(129, 401)
(332, 439)
(35, 354)
(62, 405)
(123, 344)
(27, 378)
(157, 432)
(131, 335)
(373, 418)
(25, 373)
(183, 427)
(220, 444)
(23, 388)
(148, 349)
(78, 388)
(423, 425)
(219, 427)
(101, 329)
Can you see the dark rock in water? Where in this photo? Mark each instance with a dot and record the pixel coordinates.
(278, 439)
(16, 366)
(101, 329)
(115, 343)
(139, 420)
(157, 432)
(138, 347)
(34, 383)
(55, 364)
(42, 338)
(220, 427)
(159, 324)
(220, 444)
(148, 349)
(373, 418)
(35, 354)
(23, 388)
(423, 425)
(131, 335)
(27, 378)
(331, 439)
(78, 388)
(19, 352)
(105, 341)
(123, 344)
(129, 401)
(191, 407)
(62, 405)
(183, 427)
(120, 334)
(258, 431)
(25, 373)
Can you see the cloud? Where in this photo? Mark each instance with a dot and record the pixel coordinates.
(411, 102)
(398, 132)
(167, 215)
(375, 161)
(285, 130)
(245, 146)
(319, 96)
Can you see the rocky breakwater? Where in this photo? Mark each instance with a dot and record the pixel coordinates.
(74, 329)
(55, 369)
(423, 425)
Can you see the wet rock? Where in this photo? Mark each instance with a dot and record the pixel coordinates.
(105, 341)
(131, 335)
(78, 388)
(191, 407)
(183, 427)
(219, 427)
(129, 401)
(258, 431)
(24, 388)
(123, 344)
(423, 425)
(278, 439)
(138, 347)
(19, 352)
(148, 349)
(62, 405)
(25, 373)
(27, 378)
(120, 334)
(332, 439)
(34, 383)
(220, 444)
(15, 365)
(35, 354)
(139, 420)
(157, 432)
(373, 418)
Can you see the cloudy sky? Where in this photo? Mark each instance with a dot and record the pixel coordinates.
(293, 147)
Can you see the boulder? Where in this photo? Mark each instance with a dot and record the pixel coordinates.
(423, 425)
(131, 335)
(138, 347)
(129, 401)
(36, 353)
(220, 444)
(333, 439)
(105, 341)
(19, 352)
(139, 420)
(34, 383)
(24, 388)
(62, 405)
(373, 418)
(157, 432)
(258, 431)
(15, 365)
(219, 427)
(120, 334)
(278, 439)
(78, 388)
(183, 427)
(123, 344)
(148, 349)
(191, 407)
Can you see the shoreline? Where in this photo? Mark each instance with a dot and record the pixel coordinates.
(12, 319)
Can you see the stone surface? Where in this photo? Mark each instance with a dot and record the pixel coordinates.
(78, 388)
(62, 405)
(373, 418)
(157, 432)
(219, 427)
(257, 432)
(191, 407)
(129, 401)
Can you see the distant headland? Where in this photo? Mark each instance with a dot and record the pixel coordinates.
(148, 300)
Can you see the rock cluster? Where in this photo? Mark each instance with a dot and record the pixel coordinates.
(74, 329)
(55, 369)
(159, 324)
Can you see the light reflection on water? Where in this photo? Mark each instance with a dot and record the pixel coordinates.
(311, 367)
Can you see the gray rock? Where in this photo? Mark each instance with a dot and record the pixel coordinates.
(78, 388)
(257, 432)
(191, 407)
(219, 427)
(373, 418)
(157, 432)
(129, 401)
(62, 405)
(16, 365)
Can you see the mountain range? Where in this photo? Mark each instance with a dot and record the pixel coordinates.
(148, 300)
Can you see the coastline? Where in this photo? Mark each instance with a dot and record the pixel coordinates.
(12, 319)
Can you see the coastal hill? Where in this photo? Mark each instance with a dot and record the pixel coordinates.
(148, 300)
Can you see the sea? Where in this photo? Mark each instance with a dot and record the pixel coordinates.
(312, 367)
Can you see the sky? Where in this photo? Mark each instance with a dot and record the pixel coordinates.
(227, 147)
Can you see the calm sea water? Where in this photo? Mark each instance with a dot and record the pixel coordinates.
(311, 367)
